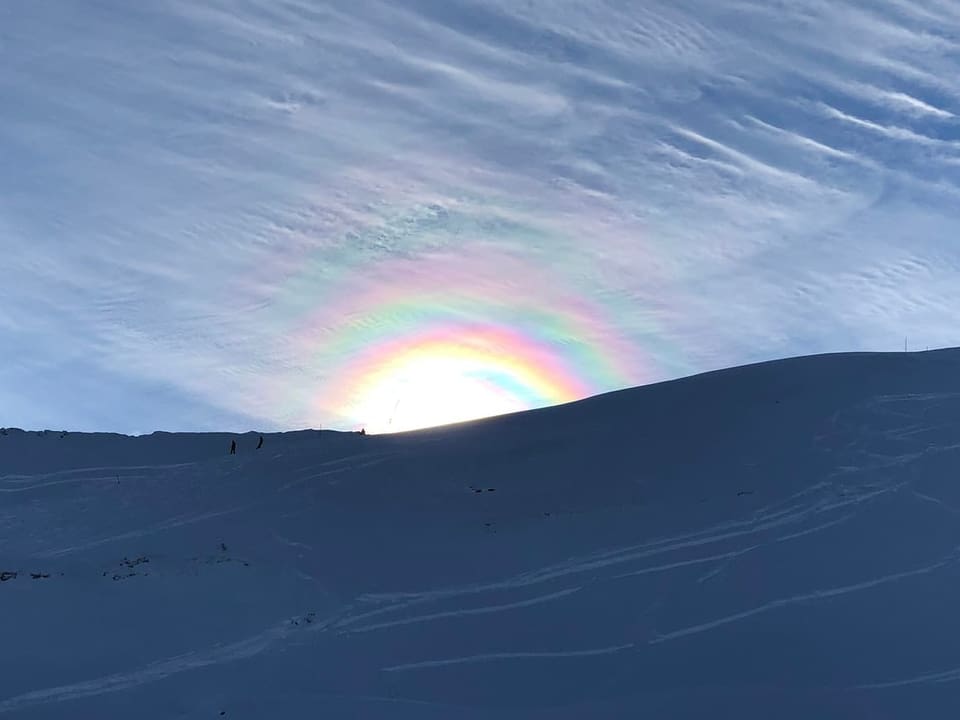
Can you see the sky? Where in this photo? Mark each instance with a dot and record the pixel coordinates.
(274, 214)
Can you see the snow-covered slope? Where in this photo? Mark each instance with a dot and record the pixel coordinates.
(779, 540)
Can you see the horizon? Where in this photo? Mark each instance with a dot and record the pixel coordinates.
(467, 422)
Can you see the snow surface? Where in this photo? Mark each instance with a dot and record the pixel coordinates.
(780, 540)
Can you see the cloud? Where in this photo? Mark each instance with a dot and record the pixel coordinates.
(206, 201)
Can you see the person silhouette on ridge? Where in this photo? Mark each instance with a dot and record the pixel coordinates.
(233, 447)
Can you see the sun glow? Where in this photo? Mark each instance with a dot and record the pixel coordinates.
(444, 379)
(427, 391)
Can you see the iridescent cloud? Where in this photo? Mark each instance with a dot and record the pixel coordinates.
(221, 215)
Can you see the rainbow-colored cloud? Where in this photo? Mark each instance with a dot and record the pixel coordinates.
(403, 357)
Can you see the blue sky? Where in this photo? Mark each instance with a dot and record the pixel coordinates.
(228, 214)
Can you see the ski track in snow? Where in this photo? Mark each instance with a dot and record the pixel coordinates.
(944, 676)
(486, 609)
(488, 657)
(612, 558)
(398, 602)
(337, 467)
(348, 620)
(152, 530)
(153, 672)
(800, 598)
(105, 471)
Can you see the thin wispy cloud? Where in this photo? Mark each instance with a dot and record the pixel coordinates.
(224, 211)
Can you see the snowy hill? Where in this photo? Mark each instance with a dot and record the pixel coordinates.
(780, 540)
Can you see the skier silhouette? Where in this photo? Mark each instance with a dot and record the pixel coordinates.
(260, 444)
(233, 447)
